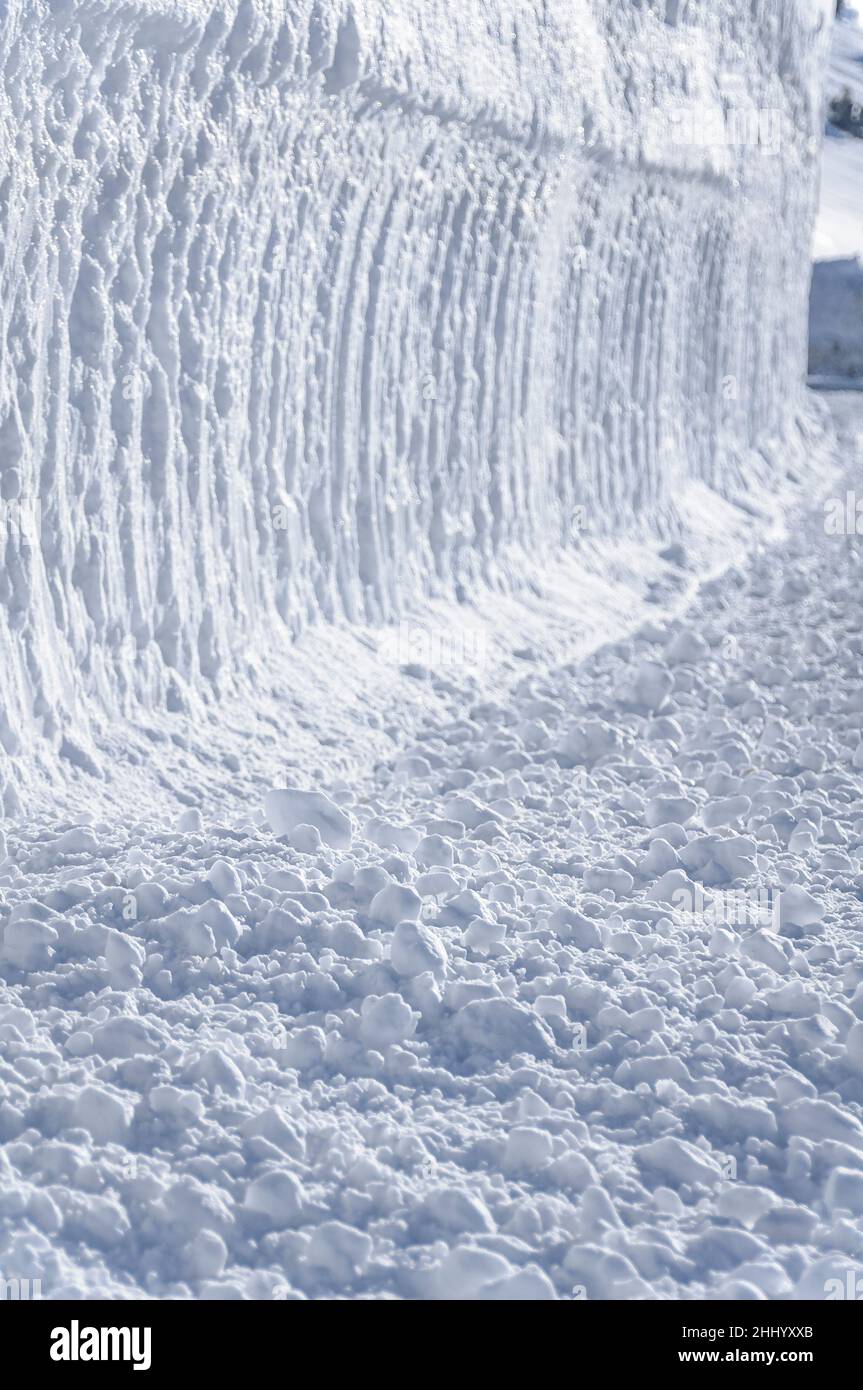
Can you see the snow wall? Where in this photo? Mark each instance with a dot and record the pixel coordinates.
(312, 309)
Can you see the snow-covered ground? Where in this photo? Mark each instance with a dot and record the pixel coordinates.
(565, 999)
(508, 948)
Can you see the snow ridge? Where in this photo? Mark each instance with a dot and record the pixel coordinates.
(317, 309)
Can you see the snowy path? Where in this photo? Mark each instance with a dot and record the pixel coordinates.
(621, 1055)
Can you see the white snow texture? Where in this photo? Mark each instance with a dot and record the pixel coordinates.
(314, 309)
(410, 979)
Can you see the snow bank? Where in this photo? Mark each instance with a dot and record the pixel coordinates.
(318, 309)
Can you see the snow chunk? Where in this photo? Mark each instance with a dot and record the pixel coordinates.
(340, 1250)
(503, 1028)
(277, 1197)
(454, 1209)
(820, 1120)
(184, 1107)
(744, 1204)
(467, 1270)
(105, 1115)
(206, 1255)
(482, 935)
(305, 1047)
(854, 1048)
(124, 1037)
(798, 908)
(415, 949)
(434, 851)
(529, 1285)
(289, 807)
(669, 810)
(765, 947)
(651, 685)
(394, 904)
(679, 1161)
(224, 878)
(527, 1149)
(386, 1019)
(28, 944)
(687, 647)
(844, 1191)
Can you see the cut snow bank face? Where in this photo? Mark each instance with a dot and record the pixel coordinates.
(321, 309)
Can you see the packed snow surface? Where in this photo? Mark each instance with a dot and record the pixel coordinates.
(316, 309)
